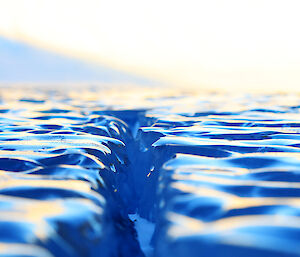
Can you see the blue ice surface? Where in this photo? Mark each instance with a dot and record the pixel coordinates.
(64, 181)
(215, 179)
(226, 184)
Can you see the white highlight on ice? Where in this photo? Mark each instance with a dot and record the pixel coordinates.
(145, 230)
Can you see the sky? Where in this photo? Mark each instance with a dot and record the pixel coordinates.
(218, 44)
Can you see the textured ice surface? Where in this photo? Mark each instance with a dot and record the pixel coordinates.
(216, 174)
(226, 182)
(64, 187)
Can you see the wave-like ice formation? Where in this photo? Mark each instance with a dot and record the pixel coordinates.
(218, 175)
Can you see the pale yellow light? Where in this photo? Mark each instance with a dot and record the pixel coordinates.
(217, 43)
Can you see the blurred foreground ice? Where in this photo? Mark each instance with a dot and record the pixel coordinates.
(217, 174)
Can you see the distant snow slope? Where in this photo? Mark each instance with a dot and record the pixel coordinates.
(23, 63)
